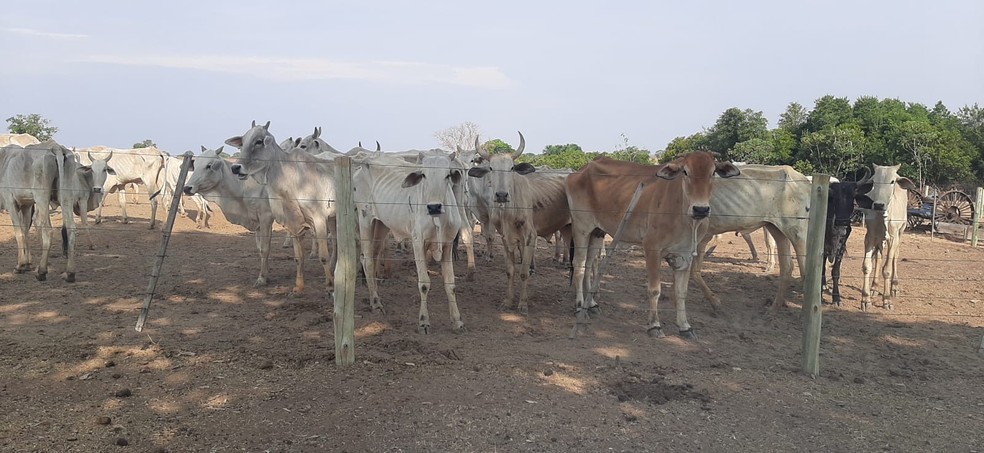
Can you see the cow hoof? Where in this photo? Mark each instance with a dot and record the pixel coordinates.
(69, 277)
(656, 332)
(423, 329)
(594, 309)
(888, 306)
(523, 309)
(98, 220)
(458, 327)
(865, 306)
(470, 277)
(689, 334)
(42, 276)
(21, 270)
(260, 282)
(505, 306)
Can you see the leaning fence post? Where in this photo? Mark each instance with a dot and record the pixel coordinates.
(812, 297)
(345, 268)
(976, 223)
(155, 274)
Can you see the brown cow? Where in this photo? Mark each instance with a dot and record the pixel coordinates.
(669, 220)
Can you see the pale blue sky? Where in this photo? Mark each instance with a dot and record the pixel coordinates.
(191, 73)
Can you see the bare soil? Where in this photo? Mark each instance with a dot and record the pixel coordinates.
(223, 366)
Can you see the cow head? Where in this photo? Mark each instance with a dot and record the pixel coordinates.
(697, 169)
(880, 187)
(100, 170)
(257, 148)
(840, 202)
(210, 169)
(436, 178)
(499, 171)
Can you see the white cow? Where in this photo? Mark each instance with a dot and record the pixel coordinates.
(303, 183)
(884, 223)
(139, 165)
(83, 187)
(520, 207)
(242, 202)
(416, 202)
(774, 197)
(172, 169)
(34, 178)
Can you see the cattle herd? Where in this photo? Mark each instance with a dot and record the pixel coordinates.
(430, 199)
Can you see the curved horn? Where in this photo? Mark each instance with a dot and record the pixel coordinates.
(89, 153)
(378, 148)
(479, 150)
(317, 132)
(522, 146)
(867, 174)
(266, 126)
(253, 124)
(110, 156)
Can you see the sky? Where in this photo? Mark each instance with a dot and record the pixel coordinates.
(596, 73)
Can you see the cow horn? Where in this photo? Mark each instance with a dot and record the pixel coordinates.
(867, 174)
(253, 124)
(266, 126)
(522, 146)
(110, 156)
(317, 132)
(360, 143)
(89, 153)
(378, 148)
(479, 150)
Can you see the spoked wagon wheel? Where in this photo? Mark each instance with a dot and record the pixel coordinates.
(954, 207)
(915, 201)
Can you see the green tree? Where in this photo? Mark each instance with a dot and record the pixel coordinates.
(33, 124)
(497, 146)
(564, 156)
(631, 153)
(754, 151)
(145, 144)
(793, 118)
(682, 145)
(735, 126)
(835, 150)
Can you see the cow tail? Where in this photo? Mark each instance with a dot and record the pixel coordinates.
(157, 180)
(60, 158)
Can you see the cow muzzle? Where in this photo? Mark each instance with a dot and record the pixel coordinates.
(237, 169)
(435, 208)
(502, 197)
(188, 190)
(878, 206)
(701, 212)
(97, 190)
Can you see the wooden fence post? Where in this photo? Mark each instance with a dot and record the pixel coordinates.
(812, 297)
(345, 269)
(976, 223)
(172, 212)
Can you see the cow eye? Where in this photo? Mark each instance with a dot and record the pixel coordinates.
(685, 172)
(259, 142)
(208, 167)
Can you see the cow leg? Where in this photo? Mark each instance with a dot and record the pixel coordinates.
(325, 255)
(770, 251)
(696, 275)
(151, 190)
(578, 274)
(263, 238)
(44, 223)
(751, 245)
(596, 246)
(509, 250)
(121, 196)
(469, 240)
(298, 263)
(22, 226)
(367, 238)
(68, 222)
(653, 263)
(866, 281)
(681, 277)
(710, 245)
(447, 270)
(835, 275)
(888, 276)
(895, 265)
(423, 284)
(526, 253)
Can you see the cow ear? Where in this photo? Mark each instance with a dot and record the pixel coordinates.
(219, 151)
(524, 168)
(906, 183)
(204, 148)
(726, 169)
(413, 179)
(864, 201)
(455, 176)
(669, 171)
(236, 142)
(478, 172)
(110, 171)
(269, 141)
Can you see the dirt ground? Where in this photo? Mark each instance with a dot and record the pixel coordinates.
(222, 366)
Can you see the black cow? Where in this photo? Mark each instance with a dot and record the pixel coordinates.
(840, 207)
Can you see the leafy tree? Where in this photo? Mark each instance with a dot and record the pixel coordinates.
(497, 146)
(829, 111)
(793, 118)
(835, 150)
(735, 126)
(563, 156)
(682, 145)
(462, 135)
(33, 124)
(631, 153)
(754, 151)
(145, 144)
